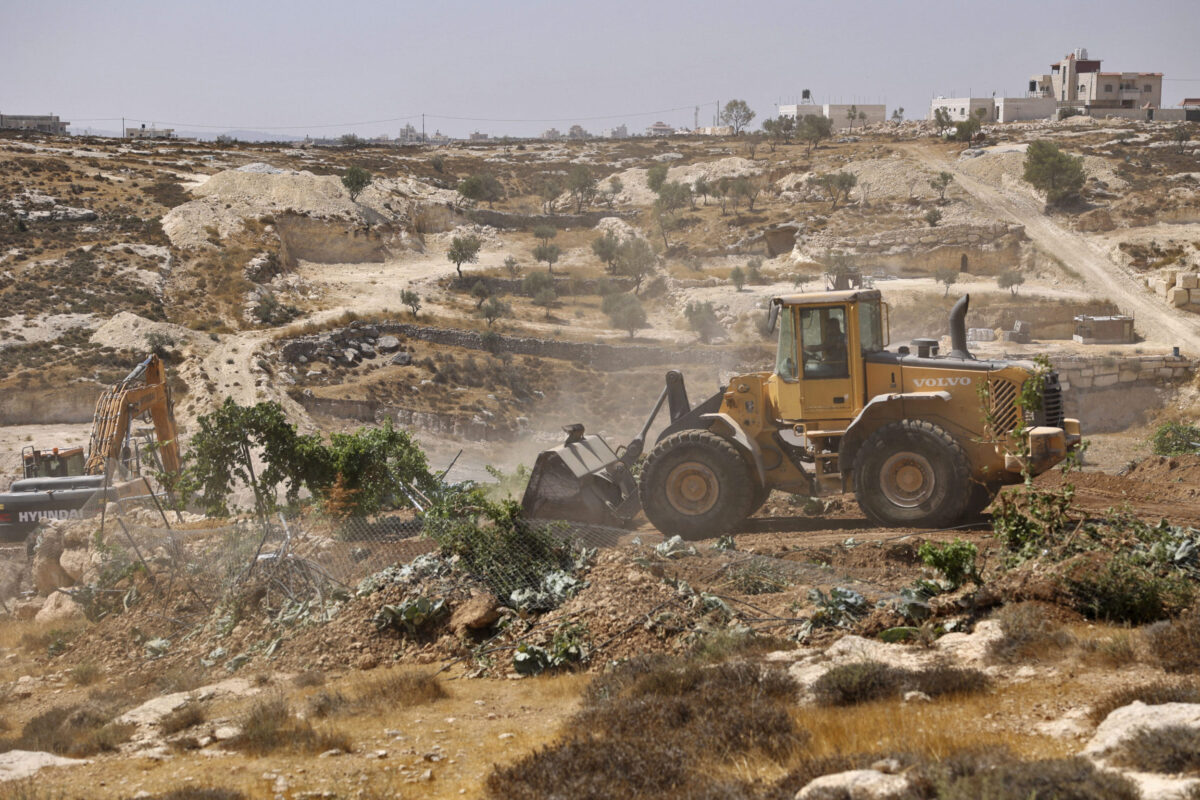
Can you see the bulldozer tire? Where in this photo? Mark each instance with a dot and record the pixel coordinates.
(696, 485)
(981, 497)
(912, 474)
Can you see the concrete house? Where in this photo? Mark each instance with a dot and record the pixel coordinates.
(42, 123)
(838, 112)
(1077, 79)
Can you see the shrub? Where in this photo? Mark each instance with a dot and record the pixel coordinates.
(1175, 438)
(401, 689)
(310, 677)
(862, 682)
(1061, 779)
(1170, 749)
(85, 673)
(75, 731)
(955, 560)
(269, 725)
(325, 703)
(186, 716)
(1053, 172)
(1029, 633)
(1122, 590)
(1175, 645)
(1152, 694)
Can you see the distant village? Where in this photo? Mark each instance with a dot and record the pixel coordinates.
(1075, 85)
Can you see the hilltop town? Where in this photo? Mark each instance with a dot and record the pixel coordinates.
(478, 295)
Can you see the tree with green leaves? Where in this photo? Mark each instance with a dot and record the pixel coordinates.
(815, 129)
(493, 309)
(672, 196)
(582, 186)
(933, 217)
(550, 253)
(941, 183)
(544, 233)
(965, 131)
(837, 185)
(737, 114)
(549, 187)
(614, 188)
(1051, 171)
(1181, 135)
(464, 250)
(481, 187)
(355, 180)
(862, 118)
(512, 267)
(537, 282)
(941, 119)
(626, 313)
(703, 188)
(656, 176)
(898, 114)
(947, 276)
(546, 299)
(737, 276)
(636, 260)
(852, 115)
(702, 318)
(411, 299)
(480, 292)
(1010, 279)
(605, 248)
(351, 140)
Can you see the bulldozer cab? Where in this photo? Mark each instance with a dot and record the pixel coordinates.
(823, 338)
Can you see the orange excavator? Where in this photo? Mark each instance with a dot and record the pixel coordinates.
(61, 484)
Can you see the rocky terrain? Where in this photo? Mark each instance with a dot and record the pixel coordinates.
(862, 661)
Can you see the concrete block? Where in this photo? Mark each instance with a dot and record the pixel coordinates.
(1082, 383)
(1127, 376)
(1164, 372)
(1159, 286)
(1178, 297)
(1187, 280)
(1104, 380)
(1151, 363)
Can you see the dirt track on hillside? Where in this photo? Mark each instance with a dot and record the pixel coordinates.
(1154, 319)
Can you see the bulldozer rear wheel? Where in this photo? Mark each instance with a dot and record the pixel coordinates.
(912, 473)
(696, 485)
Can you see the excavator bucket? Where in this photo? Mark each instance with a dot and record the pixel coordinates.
(582, 480)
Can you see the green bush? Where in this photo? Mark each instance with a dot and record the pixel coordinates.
(851, 684)
(955, 560)
(1176, 439)
(1123, 590)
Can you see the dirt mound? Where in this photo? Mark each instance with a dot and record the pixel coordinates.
(1168, 470)
(128, 331)
(1158, 487)
(228, 197)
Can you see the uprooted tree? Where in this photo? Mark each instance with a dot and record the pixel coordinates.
(364, 472)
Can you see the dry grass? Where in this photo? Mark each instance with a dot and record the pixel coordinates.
(75, 730)
(85, 673)
(866, 681)
(308, 679)
(268, 725)
(1169, 750)
(1175, 645)
(399, 688)
(189, 715)
(1030, 634)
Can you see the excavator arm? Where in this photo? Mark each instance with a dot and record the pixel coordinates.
(122, 403)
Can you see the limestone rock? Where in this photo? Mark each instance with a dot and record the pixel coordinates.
(10, 579)
(75, 564)
(60, 608)
(859, 784)
(388, 344)
(1123, 723)
(481, 611)
(18, 764)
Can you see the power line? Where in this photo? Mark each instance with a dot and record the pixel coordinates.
(393, 119)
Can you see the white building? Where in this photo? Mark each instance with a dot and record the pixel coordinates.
(839, 113)
(619, 132)
(149, 133)
(660, 129)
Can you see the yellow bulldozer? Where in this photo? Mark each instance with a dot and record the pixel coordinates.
(922, 438)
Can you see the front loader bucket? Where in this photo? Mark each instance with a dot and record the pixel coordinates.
(582, 481)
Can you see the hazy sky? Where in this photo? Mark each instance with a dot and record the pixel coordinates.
(521, 66)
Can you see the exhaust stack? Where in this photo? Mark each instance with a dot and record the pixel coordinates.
(958, 329)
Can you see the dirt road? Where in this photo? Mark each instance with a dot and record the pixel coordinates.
(1154, 319)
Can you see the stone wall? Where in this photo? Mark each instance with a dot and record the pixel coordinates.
(372, 412)
(1178, 288)
(1087, 372)
(990, 249)
(513, 221)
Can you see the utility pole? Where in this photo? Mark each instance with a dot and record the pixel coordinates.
(422, 127)
(696, 118)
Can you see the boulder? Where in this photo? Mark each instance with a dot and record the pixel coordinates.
(401, 360)
(60, 608)
(1178, 297)
(48, 574)
(858, 784)
(388, 344)
(75, 564)
(21, 764)
(480, 611)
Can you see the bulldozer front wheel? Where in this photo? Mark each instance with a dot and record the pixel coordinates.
(695, 484)
(912, 473)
